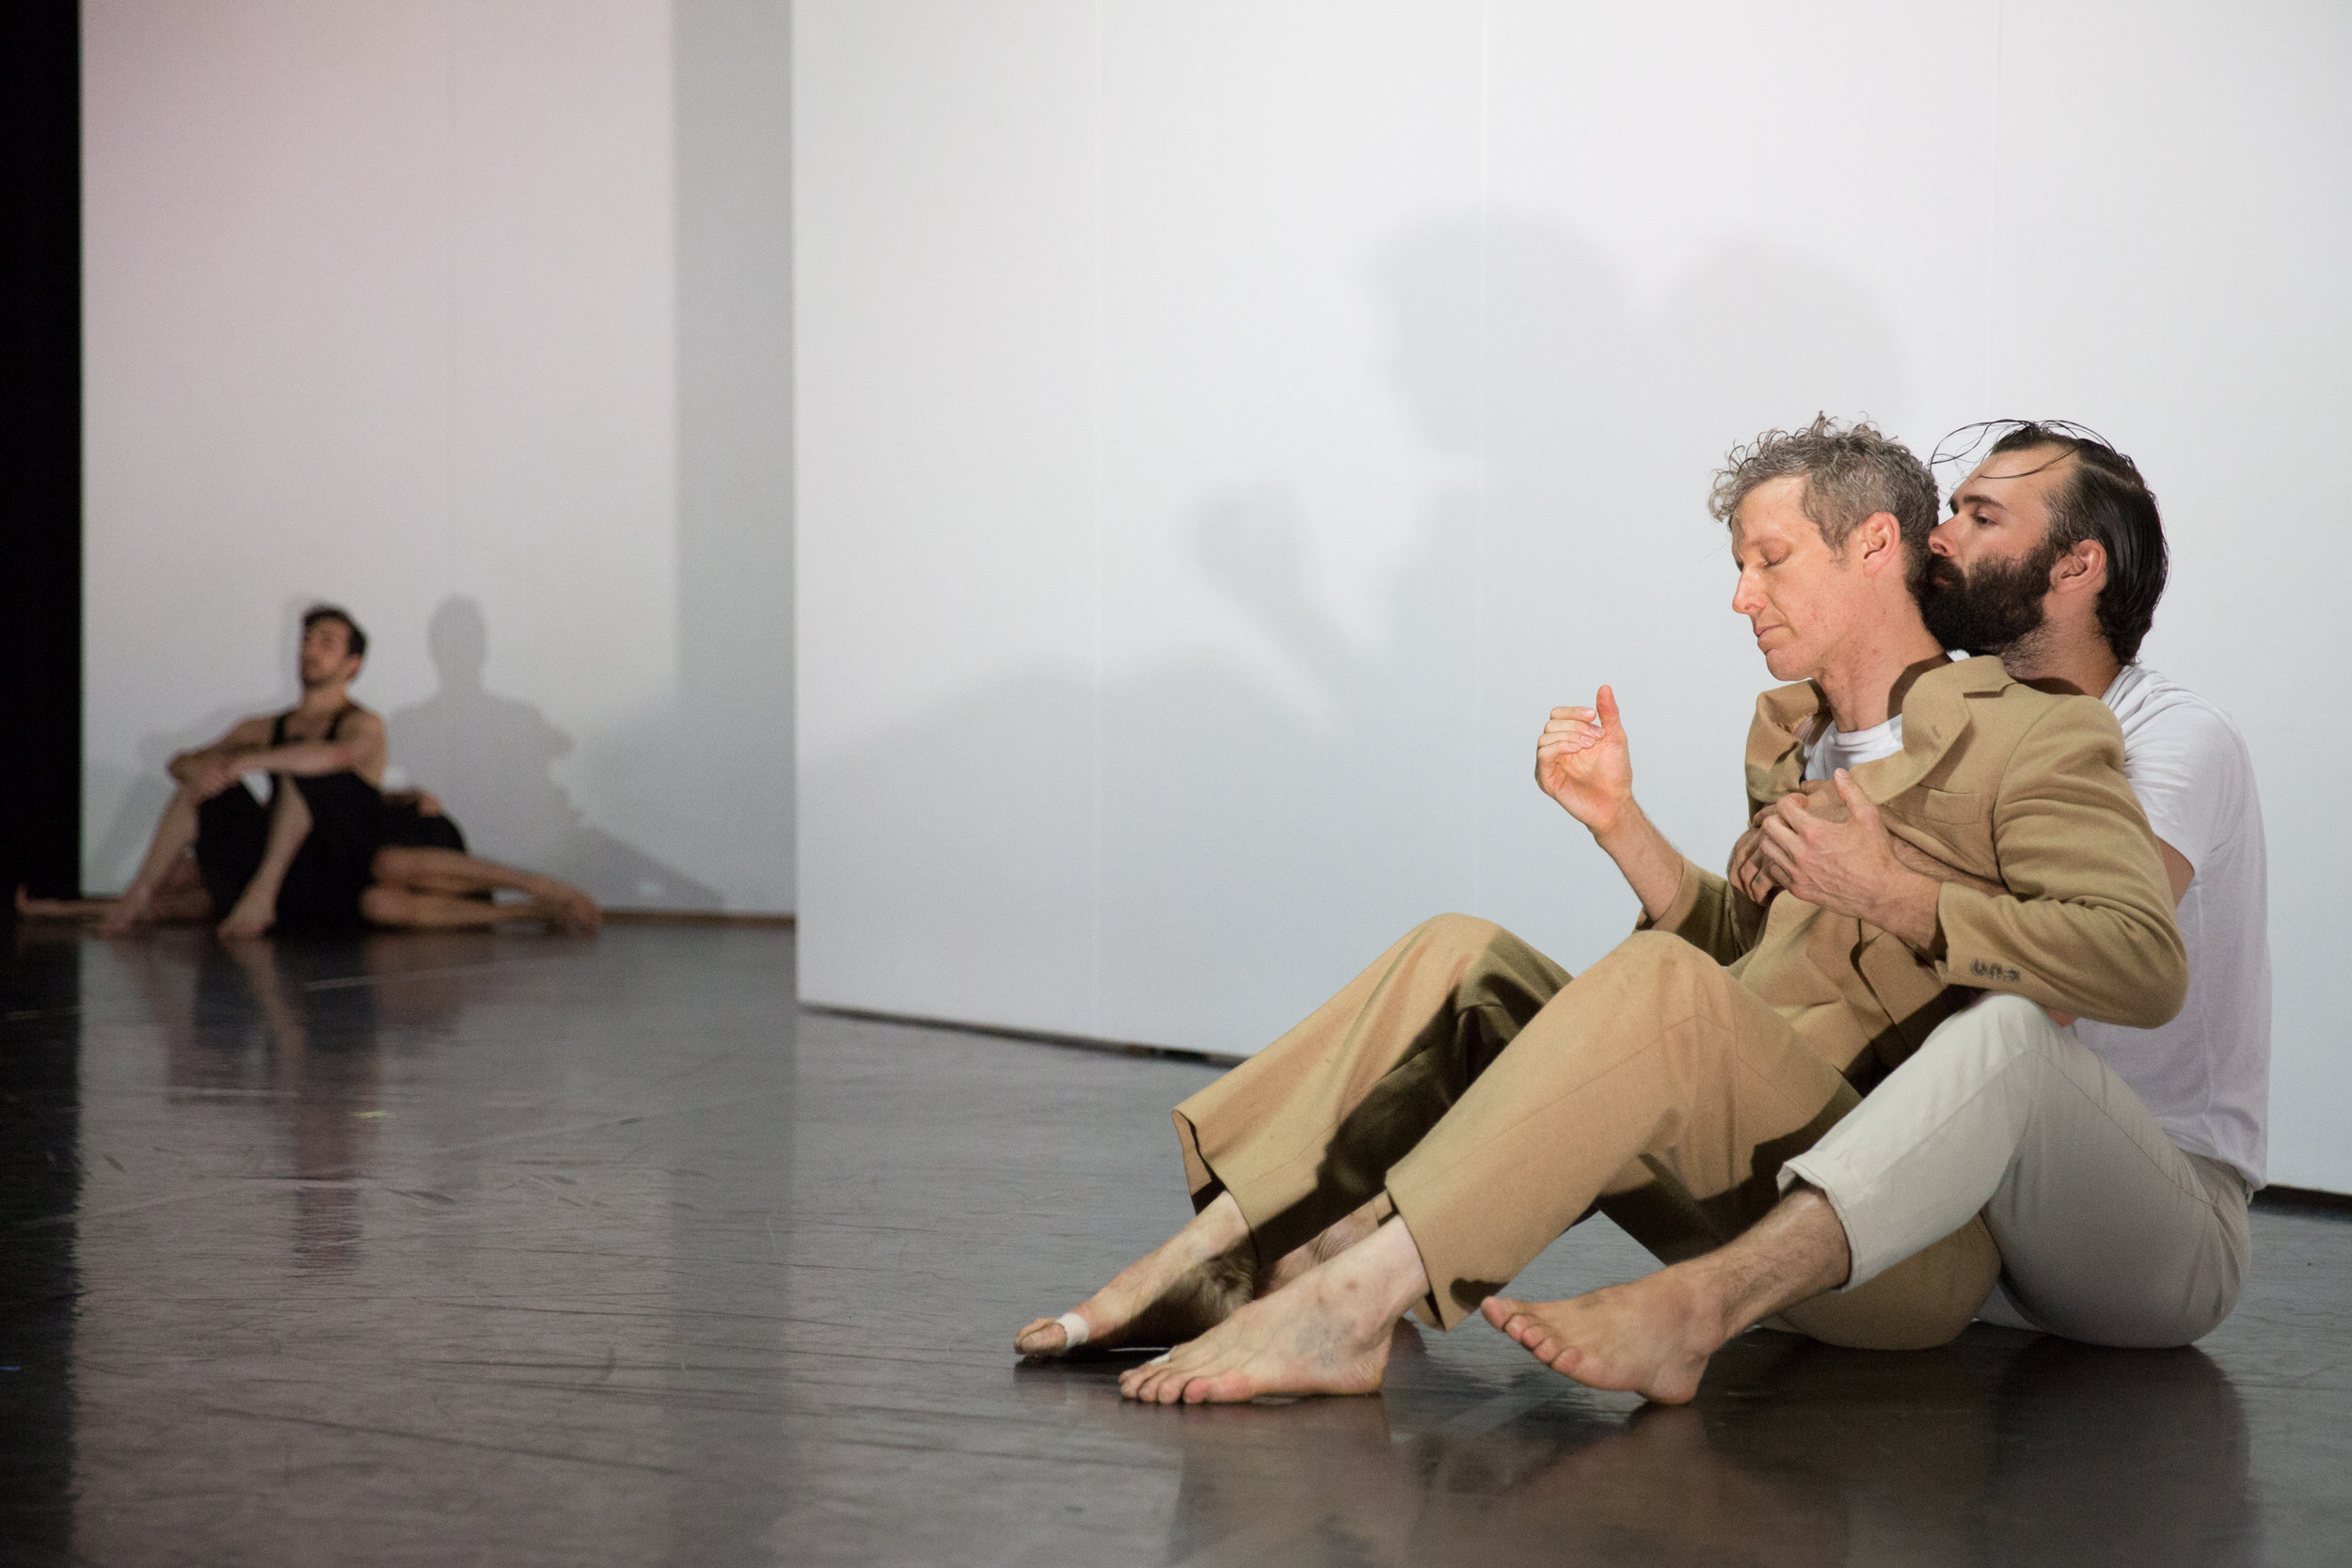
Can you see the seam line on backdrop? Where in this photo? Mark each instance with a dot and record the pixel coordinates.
(1992, 200)
(1094, 933)
(1478, 528)
(449, 325)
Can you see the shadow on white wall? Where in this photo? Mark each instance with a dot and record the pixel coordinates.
(491, 759)
(1268, 814)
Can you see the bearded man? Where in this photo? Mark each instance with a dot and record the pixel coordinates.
(2111, 1164)
(1421, 1137)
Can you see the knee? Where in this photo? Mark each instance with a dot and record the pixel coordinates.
(1493, 964)
(1459, 933)
(2008, 1029)
(1661, 955)
(385, 906)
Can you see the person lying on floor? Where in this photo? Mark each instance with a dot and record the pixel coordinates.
(2112, 1165)
(429, 886)
(328, 853)
(1421, 1137)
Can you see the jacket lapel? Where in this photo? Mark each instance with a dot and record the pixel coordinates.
(1786, 717)
(1936, 716)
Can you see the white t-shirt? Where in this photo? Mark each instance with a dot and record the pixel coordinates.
(1833, 749)
(2205, 1076)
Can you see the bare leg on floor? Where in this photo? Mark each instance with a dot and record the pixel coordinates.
(257, 906)
(1186, 1285)
(1654, 1337)
(175, 835)
(439, 888)
(1344, 1233)
(179, 898)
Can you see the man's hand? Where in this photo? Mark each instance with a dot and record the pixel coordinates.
(1750, 875)
(207, 773)
(1582, 762)
(1845, 861)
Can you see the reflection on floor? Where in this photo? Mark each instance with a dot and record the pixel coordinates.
(537, 1250)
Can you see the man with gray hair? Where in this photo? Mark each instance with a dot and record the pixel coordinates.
(1421, 1136)
(2112, 1165)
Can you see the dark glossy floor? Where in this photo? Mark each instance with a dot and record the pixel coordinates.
(537, 1250)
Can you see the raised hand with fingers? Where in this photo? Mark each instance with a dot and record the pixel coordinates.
(1581, 761)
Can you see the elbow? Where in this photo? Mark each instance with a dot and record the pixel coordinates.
(2150, 1008)
(2159, 984)
(2133, 973)
(2169, 998)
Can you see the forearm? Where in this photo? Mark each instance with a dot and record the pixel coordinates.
(186, 765)
(2119, 961)
(1651, 865)
(303, 758)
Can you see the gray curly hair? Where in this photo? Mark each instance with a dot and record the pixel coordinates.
(1850, 473)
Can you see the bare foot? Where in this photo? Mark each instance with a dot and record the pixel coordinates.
(1651, 1338)
(30, 907)
(1185, 1286)
(129, 912)
(246, 920)
(575, 914)
(1325, 1333)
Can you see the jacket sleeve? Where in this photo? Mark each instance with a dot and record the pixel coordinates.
(2085, 925)
(1710, 915)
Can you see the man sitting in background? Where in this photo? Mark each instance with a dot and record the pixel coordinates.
(329, 851)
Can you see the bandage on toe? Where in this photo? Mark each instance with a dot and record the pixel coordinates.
(1073, 1330)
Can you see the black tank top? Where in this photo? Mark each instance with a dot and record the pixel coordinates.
(277, 730)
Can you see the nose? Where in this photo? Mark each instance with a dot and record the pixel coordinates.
(1746, 597)
(1940, 539)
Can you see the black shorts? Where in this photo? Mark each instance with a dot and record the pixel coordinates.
(231, 832)
(331, 871)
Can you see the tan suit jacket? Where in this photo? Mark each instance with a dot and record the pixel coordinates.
(2057, 891)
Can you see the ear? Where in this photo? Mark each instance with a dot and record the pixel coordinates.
(2080, 570)
(1877, 542)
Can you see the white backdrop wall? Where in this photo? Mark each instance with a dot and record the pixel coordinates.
(474, 316)
(1225, 428)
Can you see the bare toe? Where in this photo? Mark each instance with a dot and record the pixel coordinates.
(1047, 1337)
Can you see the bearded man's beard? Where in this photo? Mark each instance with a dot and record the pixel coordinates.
(1990, 608)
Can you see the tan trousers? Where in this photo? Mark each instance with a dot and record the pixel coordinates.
(2107, 1231)
(1492, 1102)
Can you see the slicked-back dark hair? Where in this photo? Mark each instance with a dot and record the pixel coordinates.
(354, 640)
(2107, 499)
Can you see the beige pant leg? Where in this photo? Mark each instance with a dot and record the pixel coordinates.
(2107, 1231)
(1655, 1054)
(1305, 1131)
